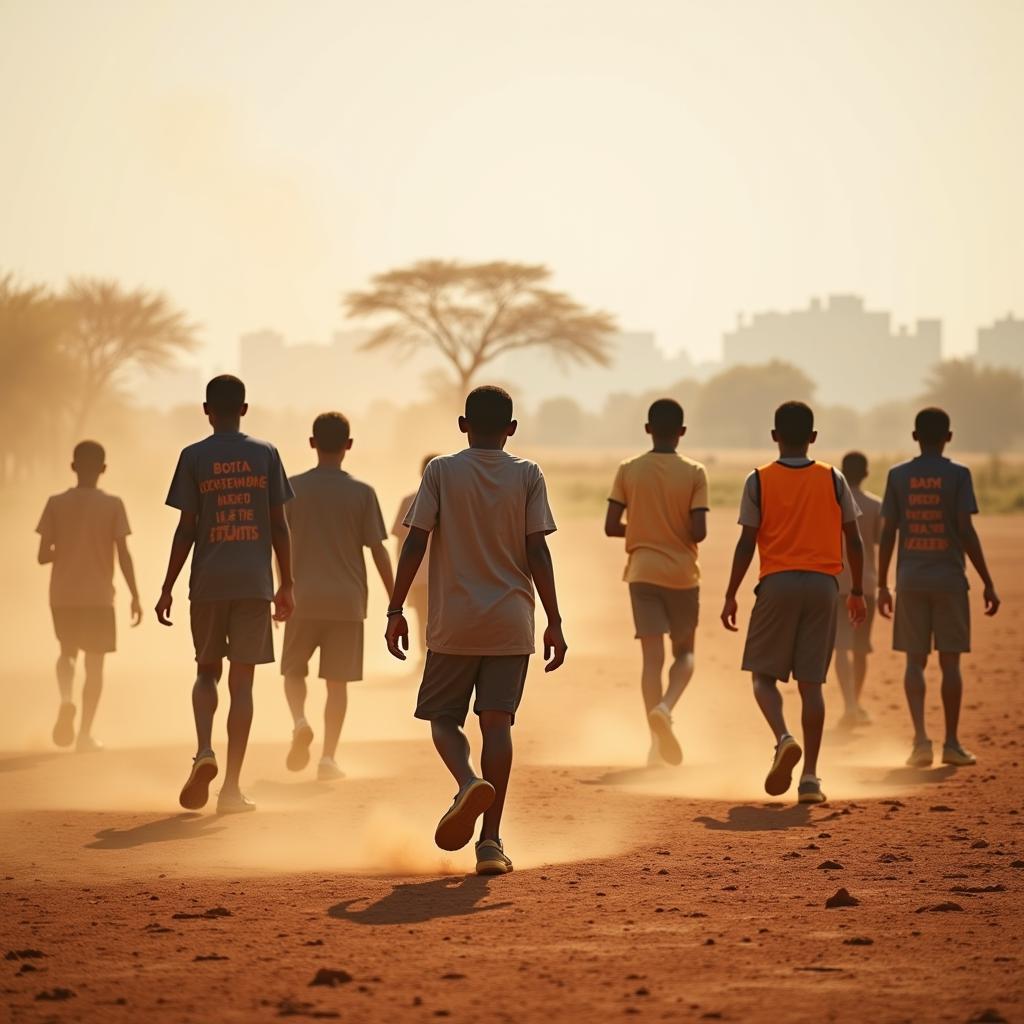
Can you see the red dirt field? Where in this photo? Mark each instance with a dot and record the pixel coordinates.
(670, 895)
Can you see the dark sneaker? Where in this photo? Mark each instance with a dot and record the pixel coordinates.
(660, 722)
(921, 756)
(809, 792)
(491, 859)
(234, 803)
(298, 755)
(196, 790)
(64, 729)
(780, 775)
(457, 826)
(953, 753)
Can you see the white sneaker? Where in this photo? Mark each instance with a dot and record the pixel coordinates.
(327, 770)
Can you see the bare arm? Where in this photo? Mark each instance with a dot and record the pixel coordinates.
(972, 548)
(281, 539)
(382, 560)
(413, 550)
(886, 545)
(542, 570)
(741, 559)
(855, 604)
(124, 560)
(45, 551)
(613, 524)
(181, 545)
(698, 524)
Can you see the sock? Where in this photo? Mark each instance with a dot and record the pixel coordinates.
(300, 722)
(808, 777)
(326, 760)
(662, 706)
(785, 736)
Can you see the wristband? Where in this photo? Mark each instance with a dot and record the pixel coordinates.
(395, 611)
(856, 593)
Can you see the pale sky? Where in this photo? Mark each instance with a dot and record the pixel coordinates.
(674, 162)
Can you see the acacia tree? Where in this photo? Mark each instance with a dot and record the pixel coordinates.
(474, 312)
(111, 328)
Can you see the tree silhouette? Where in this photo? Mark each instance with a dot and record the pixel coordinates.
(111, 328)
(474, 312)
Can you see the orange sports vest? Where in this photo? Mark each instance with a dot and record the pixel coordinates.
(801, 520)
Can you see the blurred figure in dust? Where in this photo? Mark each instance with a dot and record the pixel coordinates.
(417, 598)
(79, 531)
(489, 516)
(230, 490)
(665, 499)
(332, 517)
(853, 644)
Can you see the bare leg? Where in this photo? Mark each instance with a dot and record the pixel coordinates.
(334, 715)
(952, 693)
(204, 705)
(860, 673)
(91, 691)
(496, 765)
(847, 682)
(451, 743)
(769, 700)
(913, 687)
(239, 722)
(66, 673)
(653, 650)
(812, 719)
(680, 672)
(295, 694)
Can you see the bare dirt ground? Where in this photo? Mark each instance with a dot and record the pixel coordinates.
(678, 894)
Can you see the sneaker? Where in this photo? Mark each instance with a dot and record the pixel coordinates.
(196, 790)
(298, 755)
(921, 756)
(780, 775)
(953, 753)
(660, 722)
(491, 858)
(327, 770)
(87, 745)
(64, 729)
(809, 792)
(234, 803)
(456, 828)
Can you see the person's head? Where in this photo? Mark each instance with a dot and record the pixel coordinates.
(427, 459)
(794, 426)
(225, 398)
(88, 461)
(488, 416)
(855, 468)
(332, 435)
(665, 421)
(932, 428)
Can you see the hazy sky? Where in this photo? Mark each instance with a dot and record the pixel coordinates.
(674, 162)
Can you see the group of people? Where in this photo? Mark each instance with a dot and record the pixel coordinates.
(481, 518)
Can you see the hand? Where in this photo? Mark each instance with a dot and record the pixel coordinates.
(136, 610)
(729, 612)
(992, 601)
(554, 646)
(163, 608)
(884, 603)
(857, 609)
(284, 603)
(397, 636)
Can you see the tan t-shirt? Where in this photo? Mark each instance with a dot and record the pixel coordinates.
(400, 531)
(660, 490)
(83, 524)
(480, 505)
(870, 522)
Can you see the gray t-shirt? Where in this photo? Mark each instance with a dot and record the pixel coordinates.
(480, 505)
(925, 498)
(230, 481)
(870, 506)
(750, 502)
(332, 517)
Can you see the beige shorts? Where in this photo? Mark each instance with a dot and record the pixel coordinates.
(340, 644)
(659, 610)
(92, 630)
(237, 630)
(449, 681)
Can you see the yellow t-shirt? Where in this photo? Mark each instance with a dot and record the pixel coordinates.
(660, 490)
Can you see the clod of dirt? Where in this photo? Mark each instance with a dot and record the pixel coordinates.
(940, 807)
(1017, 863)
(24, 954)
(830, 865)
(939, 908)
(314, 942)
(841, 898)
(858, 941)
(975, 890)
(27, 969)
(979, 844)
(330, 977)
(213, 956)
(452, 976)
(55, 994)
(988, 1017)
(205, 915)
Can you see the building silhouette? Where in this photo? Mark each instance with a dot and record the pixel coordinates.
(1001, 345)
(853, 354)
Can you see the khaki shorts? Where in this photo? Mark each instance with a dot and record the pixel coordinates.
(848, 636)
(659, 610)
(927, 618)
(449, 681)
(85, 629)
(237, 630)
(792, 627)
(340, 644)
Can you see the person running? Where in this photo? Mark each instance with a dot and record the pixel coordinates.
(230, 490)
(79, 532)
(485, 513)
(795, 513)
(332, 517)
(853, 645)
(417, 598)
(665, 497)
(928, 505)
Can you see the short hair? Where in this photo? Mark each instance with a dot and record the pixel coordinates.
(427, 460)
(665, 416)
(225, 394)
(932, 425)
(89, 455)
(794, 422)
(489, 409)
(855, 466)
(331, 431)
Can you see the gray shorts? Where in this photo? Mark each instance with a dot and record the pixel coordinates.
(792, 627)
(659, 610)
(927, 618)
(340, 644)
(848, 636)
(237, 630)
(92, 630)
(450, 679)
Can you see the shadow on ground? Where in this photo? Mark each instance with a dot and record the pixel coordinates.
(746, 818)
(417, 902)
(165, 830)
